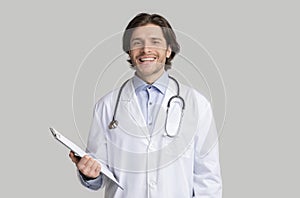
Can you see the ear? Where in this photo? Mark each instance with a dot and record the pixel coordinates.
(169, 52)
(129, 54)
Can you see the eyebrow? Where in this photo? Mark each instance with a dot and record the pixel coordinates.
(156, 38)
(135, 39)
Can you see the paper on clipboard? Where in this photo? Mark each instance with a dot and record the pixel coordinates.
(77, 150)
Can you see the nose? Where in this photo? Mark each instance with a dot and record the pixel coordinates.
(147, 47)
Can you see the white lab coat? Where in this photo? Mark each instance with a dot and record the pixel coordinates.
(150, 164)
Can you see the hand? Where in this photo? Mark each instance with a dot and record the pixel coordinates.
(86, 165)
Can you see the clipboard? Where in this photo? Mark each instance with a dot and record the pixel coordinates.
(78, 151)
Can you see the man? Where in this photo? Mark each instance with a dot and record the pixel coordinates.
(156, 136)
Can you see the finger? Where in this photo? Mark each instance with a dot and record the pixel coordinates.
(95, 169)
(85, 159)
(85, 164)
(89, 163)
(98, 168)
(81, 163)
(88, 167)
(91, 168)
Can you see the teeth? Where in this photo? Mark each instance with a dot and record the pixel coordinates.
(147, 59)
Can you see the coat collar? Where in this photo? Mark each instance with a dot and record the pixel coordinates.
(129, 100)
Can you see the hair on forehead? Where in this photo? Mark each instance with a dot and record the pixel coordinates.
(152, 32)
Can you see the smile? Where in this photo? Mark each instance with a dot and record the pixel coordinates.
(144, 59)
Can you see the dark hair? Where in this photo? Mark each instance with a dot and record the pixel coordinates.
(143, 19)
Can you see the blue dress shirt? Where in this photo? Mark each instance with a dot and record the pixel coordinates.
(150, 97)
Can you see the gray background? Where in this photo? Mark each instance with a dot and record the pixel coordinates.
(255, 44)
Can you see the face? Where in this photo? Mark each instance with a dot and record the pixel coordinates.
(148, 52)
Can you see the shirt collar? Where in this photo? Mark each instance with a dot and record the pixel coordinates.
(161, 83)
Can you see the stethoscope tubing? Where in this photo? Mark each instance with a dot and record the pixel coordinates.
(114, 123)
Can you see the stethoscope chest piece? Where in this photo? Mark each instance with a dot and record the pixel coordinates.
(113, 124)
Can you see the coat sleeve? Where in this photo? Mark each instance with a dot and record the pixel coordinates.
(207, 175)
(96, 145)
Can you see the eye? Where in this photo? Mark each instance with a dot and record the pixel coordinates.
(156, 42)
(136, 43)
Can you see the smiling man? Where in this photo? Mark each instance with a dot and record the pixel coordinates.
(149, 51)
(156, 135)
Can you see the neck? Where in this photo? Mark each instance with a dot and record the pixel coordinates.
(151, 78)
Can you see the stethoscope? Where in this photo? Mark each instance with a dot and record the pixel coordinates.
(170, 133)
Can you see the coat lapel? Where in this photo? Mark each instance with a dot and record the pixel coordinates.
(130, 104)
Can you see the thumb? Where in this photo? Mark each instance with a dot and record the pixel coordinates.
(74, 158)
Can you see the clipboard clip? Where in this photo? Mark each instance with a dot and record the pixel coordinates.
(56, 135)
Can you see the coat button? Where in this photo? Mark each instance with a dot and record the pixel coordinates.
(152, 184)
